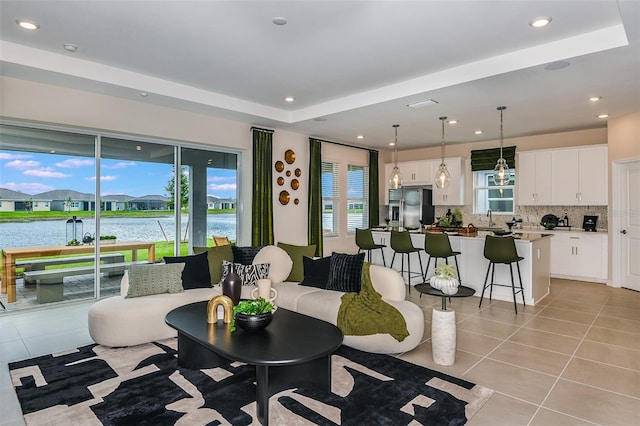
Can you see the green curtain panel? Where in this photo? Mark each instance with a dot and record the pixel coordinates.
(486, 159)
(262, 202)
(315, 195)
(374, 201)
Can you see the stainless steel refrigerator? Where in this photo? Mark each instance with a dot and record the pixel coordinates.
(409, 206)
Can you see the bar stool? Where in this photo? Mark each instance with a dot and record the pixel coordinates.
(364, 241)
(502, 250)
(401, 243)
(438, 246)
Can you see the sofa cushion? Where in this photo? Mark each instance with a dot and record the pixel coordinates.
(316, 272)
(279, 263)
(346, 272)
(145, 280)
(215, 256)
(296, 254)
(196, 270)
(245, 255)
(289, 294)
(249, 274)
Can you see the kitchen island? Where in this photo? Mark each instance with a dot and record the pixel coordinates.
(535, 268)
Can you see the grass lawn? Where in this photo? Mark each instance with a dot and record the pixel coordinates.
(57, 215)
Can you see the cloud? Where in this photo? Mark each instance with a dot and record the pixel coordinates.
(221, 179)
(19, 164)
(120, 165)
(74, 163)
(103, 178)
(7, 156)
(28, 188)
(223, 187)
(46, 173)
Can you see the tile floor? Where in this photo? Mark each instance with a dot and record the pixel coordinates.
(573, 359)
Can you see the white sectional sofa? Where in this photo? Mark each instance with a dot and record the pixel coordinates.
(119, 321)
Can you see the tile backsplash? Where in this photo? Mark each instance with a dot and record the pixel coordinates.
(531, 215)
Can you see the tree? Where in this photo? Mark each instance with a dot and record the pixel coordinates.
(184, 189)
(28, 205)
(68, 203)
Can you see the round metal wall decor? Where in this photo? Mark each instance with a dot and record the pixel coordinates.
(296, 201)
(288, 173)
(295, 184)
(289, 156)
(284, 198)
(279, 166)
(298, 172)
(280, 181)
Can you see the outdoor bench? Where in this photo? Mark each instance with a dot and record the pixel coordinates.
(41, 264)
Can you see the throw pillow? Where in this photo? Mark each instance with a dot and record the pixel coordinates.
(296, 253)
(346, 272)
(279, 263)
(145, 280)
(245, 255)
(316, 272)
(196, 270)
(248, 274)
(216, 255)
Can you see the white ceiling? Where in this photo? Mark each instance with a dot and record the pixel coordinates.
(352, 66)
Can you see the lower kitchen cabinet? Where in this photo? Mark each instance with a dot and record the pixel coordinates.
(579, 255)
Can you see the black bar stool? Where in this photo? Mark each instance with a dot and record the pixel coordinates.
(502, 250)
(401, 243)
(364, 241)
(438, 246)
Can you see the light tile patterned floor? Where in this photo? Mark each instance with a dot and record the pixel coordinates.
(574, 359)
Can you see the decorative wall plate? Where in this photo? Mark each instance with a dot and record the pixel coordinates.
(295, 184)
(296, 201)
(279, 166)
(288, 173)
(298, 172)
(289, 156)
(280, 181)
(284, 198)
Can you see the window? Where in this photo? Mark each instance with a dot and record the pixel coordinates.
(357, 197)
(499, 199)
(330, 200)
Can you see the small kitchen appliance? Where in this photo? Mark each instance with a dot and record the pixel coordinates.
(589, 223)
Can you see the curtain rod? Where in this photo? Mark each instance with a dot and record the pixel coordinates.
(262, 130)
(346, 145)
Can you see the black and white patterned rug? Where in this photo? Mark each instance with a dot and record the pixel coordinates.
(143, 385)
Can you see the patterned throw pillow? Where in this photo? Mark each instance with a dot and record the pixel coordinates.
(248, 274)
(346, 272)
(145, 280)
(245, 255)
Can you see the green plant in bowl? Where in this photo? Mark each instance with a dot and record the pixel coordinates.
(257, 307)
(446, 271)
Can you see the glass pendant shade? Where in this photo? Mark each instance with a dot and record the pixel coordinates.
(442, 176)
(501, 173)
(395, 181)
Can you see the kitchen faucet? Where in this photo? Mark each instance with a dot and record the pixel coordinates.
(490, 216)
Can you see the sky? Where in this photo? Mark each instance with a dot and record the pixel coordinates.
(33, 173)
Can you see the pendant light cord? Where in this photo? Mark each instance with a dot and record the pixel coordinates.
(442, 147)
(501, 109)
(395, 145)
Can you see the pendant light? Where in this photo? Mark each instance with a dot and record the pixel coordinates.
(501, 173)
(395, 181)
(442, 175)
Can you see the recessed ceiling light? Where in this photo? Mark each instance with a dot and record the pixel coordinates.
(53, 151)
(422, 104)
(392, 144)
(540, 22)
(360, 137)
(603, 116)
(595, 98)
(138, 148)
(478, 132)
(280, 20)
(452, 121)
(70, 47)
(289, 99)
(144, 94)
(27, 25)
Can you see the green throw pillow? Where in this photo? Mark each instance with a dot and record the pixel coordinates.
(296, 253)
(216, 255)
(145, 280)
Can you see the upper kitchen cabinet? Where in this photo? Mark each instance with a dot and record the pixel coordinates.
(453, 194)
(534, 178)
(414, 173)
(579, 176)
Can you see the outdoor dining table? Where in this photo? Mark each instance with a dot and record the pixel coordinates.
(11, 254)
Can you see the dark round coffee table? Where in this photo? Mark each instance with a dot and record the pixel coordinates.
(426, 288)
(292, 350)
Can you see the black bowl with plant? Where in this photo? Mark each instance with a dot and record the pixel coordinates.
(253, 315)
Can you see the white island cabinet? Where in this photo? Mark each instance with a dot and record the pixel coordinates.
(535, 268)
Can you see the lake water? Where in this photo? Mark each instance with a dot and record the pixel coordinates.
(40, 233)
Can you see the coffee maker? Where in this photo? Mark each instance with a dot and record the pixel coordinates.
(589, 223)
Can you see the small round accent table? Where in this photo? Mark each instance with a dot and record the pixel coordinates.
(443, 324)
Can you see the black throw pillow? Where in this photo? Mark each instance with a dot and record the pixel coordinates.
(316, 272)
(244, 255)
(346, 272)
(196, 270)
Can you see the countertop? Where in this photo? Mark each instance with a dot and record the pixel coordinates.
(522, 235)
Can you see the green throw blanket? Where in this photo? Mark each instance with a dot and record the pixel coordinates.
(365, 313)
